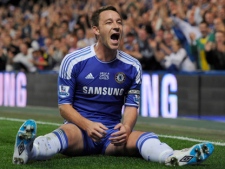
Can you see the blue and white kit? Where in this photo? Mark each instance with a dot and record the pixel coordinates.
(98, 90)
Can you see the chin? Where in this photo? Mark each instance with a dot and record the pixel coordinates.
(113, 47)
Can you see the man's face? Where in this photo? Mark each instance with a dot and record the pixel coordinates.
(218, 24)
(130, 39)
(203, 29)
(219, 36)
(175, 46)
(23, 49)
(110, 29)
(209, 18)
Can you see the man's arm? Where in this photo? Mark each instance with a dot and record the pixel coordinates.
(130, 118)
(186, 28)
(94, 130)
(126, 127)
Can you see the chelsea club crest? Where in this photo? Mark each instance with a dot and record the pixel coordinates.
(120, 77)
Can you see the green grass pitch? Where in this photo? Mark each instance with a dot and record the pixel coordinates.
(178, 133)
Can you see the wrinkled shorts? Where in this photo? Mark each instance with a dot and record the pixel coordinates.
(91, 147)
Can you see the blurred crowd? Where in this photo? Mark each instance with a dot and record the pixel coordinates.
(172, 35)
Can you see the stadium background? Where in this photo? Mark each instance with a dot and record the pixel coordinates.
(198, 94)
(169, 97)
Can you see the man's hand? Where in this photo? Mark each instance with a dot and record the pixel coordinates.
(192, 36)
(209, 46)
(96, 131)
(120, 137)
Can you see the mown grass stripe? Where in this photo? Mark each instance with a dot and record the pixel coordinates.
(191, 139)
(165, 136)
(22, 120)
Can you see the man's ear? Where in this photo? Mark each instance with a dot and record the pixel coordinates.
(95, 30)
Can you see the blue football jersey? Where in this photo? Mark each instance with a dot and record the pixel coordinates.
(98, 90)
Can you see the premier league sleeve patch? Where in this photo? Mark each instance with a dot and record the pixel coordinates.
(136, 99)
(63, 91)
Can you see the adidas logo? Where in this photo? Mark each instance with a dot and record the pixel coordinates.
(89, 76)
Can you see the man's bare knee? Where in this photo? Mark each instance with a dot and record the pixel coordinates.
(75, 139)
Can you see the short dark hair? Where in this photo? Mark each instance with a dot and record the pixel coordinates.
(95, 15)
(130, 34)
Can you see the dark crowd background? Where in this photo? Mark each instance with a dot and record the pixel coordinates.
(168, 35)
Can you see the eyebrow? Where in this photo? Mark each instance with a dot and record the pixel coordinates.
(119, 19)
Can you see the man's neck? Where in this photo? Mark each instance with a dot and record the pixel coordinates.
(103, 53)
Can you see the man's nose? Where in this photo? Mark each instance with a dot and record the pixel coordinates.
(116, 26)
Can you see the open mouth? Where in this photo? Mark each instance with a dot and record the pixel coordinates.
(115, 37)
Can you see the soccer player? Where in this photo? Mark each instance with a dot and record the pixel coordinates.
(94, 83)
